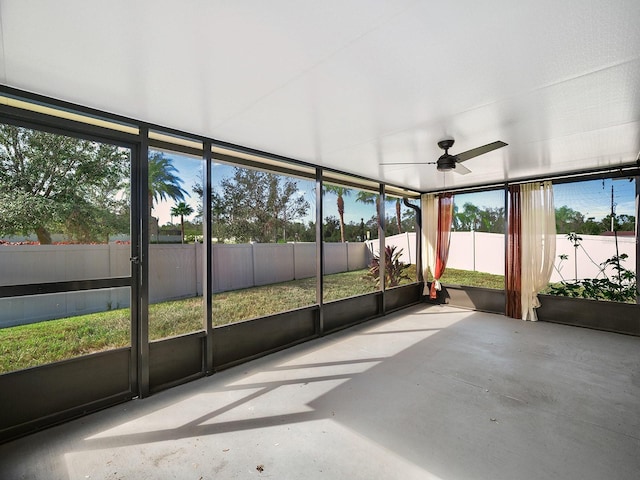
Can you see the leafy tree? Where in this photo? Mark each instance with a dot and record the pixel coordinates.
(353, 232)
(390, 227)
(492, 220)
(409, 220)
(467, 219)
(621, 223)
(568, 220)
(340, 192)
(393, 224)
(371, 226)
(88, 224)
(300, 232)
(220, 219)
(163, 182)
(218, 211)
(370, 198)
(257, 205)
(591, 227)
(51, 182)
(332, 231)
(473, 217)
(362, 231)
(182, 210)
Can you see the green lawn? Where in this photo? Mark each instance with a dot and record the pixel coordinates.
(29, 345)
(470, 278)
(36, 344)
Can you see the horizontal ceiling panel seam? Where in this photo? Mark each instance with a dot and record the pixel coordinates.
(587, 74)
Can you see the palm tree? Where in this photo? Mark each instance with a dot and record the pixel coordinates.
(398, 206)
(369, 199)
(163, 183)
(183, 210)
(340, 192)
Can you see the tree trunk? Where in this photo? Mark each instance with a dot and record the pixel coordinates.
(342, 228)
(182, 228)
(340, 203)
(44, 237)
(150, 200)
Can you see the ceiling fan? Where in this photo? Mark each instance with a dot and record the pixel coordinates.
(448, 162)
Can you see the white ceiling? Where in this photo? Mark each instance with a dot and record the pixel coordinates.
(350, 84)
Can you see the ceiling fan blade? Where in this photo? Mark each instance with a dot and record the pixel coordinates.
(407, 163)
(461, 169)
(474, 152)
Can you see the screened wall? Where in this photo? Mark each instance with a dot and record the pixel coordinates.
(593, 280)
(134, 258)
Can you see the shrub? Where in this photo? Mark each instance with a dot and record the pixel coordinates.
(620, 287)
(394, 271)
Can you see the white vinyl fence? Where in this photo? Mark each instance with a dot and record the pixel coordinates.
(477, 251)
(484, 252)
(404, 242)
(175, 271)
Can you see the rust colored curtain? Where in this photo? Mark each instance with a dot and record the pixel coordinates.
(445, 215)
(513, 272)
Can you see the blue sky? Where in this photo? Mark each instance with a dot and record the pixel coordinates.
(189, 169)
(591, 198)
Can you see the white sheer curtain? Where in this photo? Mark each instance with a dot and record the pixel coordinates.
(538, 243)
(429, 205)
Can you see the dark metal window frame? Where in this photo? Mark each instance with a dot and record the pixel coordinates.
(70, 128)
(92, 134)
(630, 170)
(318, 319)
(139, 145)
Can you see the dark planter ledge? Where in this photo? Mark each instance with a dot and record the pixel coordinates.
(581, 312)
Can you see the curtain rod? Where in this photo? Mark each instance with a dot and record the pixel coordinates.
(611, 172)
(622, 171)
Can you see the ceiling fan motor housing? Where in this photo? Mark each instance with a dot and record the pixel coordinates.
(446, 162)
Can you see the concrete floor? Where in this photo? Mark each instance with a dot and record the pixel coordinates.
(429, 393)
